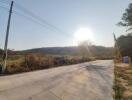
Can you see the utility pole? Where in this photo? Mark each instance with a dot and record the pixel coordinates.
(6, 39)
(117, 49)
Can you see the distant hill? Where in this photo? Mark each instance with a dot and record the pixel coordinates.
(11, 52)
(97, 51)
(54, 50)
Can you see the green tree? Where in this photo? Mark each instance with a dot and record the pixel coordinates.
(125, 45)
(125, 41)
(127, 18)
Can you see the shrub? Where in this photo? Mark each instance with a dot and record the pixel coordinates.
(35, 61)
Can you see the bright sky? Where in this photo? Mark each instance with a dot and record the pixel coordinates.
(99, 16)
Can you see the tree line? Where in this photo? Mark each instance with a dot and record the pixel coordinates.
(125, 41)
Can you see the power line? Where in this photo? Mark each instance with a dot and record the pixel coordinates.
(36, 19)
(39, 18)
(28, 18)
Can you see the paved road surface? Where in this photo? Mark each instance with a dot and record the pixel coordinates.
(86, 81)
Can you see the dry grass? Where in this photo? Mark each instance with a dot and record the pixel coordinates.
(38, 61)
(123, 82)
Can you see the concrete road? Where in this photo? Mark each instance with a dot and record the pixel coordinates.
(86, 81)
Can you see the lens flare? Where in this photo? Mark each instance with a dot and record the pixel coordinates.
(83, 34)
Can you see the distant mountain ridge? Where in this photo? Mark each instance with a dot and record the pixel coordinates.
(54, 50)
(73, 50)
(96, 51)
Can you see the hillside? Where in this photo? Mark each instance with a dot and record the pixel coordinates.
(96, 51)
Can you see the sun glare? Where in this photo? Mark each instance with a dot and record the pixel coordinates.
(83, 34)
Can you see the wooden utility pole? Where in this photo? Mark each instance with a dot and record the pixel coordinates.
(117, 49)
(6, 39)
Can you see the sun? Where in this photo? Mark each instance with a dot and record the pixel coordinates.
(83, 34)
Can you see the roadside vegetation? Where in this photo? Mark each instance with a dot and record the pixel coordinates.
(44, 58)
(37, 61)
(123, 82)
(123, 72)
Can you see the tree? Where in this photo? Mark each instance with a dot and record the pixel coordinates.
(127, 18)
(125, 41)
(125, 45)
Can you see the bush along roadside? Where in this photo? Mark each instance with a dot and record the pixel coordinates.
(122, 82)
(33, 62)
(117, 87)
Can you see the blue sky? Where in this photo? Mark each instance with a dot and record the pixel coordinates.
(68, 15)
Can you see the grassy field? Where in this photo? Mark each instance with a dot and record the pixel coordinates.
(123, 82)
(37, 61)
